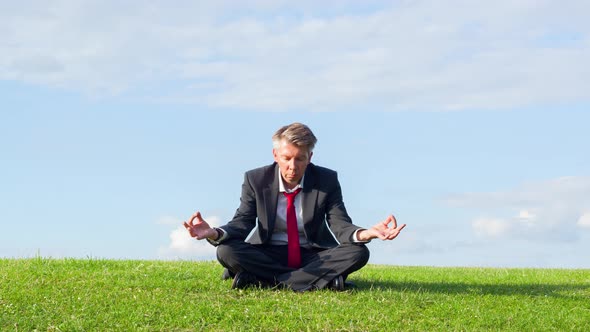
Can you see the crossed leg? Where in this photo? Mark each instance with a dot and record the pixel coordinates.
(269, 263)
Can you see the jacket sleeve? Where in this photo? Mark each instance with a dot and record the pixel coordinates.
(338, 219)
(244, 219)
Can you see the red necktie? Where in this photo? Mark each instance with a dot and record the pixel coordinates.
(294, 252)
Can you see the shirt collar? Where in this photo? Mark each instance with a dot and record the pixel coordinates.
(282, 184)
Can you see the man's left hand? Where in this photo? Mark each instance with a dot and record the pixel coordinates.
(382, 230)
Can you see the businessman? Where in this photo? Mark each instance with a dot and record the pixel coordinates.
(291, 229)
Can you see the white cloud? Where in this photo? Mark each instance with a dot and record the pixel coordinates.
(547, 209)
(490, 227)
(285, 55)
(526, 215)
(562, 191)
(182, 245)
(584, 220)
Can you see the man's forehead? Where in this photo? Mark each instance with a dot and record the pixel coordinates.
(287, 148)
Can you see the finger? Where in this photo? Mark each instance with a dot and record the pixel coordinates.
(395, 232)
(392, 235)
(382, 236)
(390, 218)
(193, 217)
(187, 226)
(385, 223)
(393, 220)
(200, 218)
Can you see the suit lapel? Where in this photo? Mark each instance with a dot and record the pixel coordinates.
(310, 196)
(271, 198)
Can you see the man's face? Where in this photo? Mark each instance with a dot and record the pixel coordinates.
(292, 161)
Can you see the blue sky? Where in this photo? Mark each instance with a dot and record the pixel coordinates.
(468, 122)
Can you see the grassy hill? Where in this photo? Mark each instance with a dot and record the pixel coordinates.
(107, 295)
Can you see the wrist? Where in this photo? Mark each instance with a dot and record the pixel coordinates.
(361, 235)
(216, 234)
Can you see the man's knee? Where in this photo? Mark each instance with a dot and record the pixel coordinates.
(355, 255)
(362, 254)
(358, 253)
(227, 253)
(224, 252)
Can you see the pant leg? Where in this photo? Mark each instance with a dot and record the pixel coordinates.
(321, 266)
(265, 262)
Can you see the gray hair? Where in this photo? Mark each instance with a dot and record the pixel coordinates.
(297, 134)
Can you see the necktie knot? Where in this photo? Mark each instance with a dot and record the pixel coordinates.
(291, 196)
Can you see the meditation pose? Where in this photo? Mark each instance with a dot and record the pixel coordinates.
(291, 229)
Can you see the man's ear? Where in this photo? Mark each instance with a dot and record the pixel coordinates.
(275, 155)
(310, 155)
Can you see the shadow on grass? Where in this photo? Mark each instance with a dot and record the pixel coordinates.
(566, 290)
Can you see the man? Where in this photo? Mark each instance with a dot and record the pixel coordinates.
(291, 228)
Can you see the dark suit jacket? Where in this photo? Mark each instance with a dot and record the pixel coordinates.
(325, 219)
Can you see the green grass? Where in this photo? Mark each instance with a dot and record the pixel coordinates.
(105, 295)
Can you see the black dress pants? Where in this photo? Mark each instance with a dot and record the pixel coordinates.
(269, 263)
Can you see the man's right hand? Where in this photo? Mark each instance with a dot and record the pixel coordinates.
(200, 229)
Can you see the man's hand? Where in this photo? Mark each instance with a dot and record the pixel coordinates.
(200, 229)
(381, 230)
